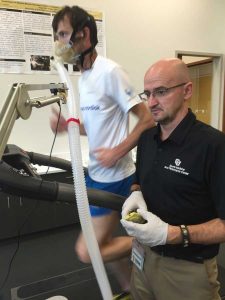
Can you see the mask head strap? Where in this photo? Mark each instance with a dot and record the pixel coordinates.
(80, 57)
(79, 28)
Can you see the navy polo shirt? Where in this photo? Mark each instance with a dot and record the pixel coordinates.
(183, 179)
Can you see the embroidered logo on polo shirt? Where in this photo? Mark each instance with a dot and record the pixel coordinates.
(177, 162)
(176, 168)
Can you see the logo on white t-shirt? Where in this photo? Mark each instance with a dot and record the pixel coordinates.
(128, 92)
(91, 107)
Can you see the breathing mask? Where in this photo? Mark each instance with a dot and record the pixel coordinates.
(68, 53)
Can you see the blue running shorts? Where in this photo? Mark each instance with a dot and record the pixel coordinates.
(121, 187)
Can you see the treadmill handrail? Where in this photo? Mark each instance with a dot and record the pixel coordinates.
(36, 188)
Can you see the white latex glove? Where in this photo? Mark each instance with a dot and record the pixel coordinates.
(133, 202)
(152, 233)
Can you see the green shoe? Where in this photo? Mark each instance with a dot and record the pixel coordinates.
(122, 296)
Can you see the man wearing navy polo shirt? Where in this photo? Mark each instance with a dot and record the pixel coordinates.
(180, 191)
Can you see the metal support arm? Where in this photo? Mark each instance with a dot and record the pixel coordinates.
(18, 104)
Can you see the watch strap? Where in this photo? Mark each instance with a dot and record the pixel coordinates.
(185, 235)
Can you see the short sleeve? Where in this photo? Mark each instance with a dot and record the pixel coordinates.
(121, 89)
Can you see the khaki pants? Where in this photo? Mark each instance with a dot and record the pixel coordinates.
(165, 278)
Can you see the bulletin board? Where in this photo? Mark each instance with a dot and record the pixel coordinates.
(27, 41)
(26, 35)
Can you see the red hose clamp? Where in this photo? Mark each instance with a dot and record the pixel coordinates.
(73, 120)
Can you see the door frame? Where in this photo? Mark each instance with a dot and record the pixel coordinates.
(218, 99)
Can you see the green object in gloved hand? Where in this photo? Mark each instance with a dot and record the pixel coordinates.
(122, 296)
(135, 217)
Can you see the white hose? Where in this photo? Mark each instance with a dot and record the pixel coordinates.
(80, 187)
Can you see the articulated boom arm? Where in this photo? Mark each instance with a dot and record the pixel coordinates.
(18, 104)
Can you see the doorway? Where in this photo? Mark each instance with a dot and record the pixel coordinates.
(207, 73)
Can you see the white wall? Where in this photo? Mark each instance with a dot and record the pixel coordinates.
(137, 34)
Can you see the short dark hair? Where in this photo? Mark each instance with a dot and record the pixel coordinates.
(79, 18)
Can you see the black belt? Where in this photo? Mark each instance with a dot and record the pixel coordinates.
(163, 251)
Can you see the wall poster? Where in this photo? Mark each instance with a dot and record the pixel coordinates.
(27, 37)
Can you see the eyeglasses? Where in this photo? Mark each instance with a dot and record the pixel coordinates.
(63, 36)
(158, 92)
(66, 37)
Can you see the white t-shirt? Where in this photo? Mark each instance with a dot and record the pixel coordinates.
(106, 96)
